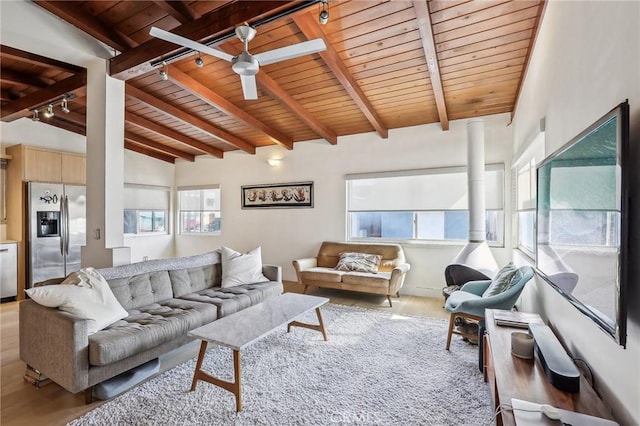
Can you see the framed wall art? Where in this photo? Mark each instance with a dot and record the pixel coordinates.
(278, 195)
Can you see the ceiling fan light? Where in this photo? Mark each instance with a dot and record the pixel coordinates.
(48, 113)
(199, 62)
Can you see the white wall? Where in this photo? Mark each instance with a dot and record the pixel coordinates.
(28, 27)
(586, 61)
(288, 234)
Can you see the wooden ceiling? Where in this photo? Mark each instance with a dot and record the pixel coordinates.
(388, 64)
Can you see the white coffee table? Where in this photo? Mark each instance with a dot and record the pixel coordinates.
(239, 330)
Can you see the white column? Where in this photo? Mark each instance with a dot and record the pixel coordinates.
(105, 169)
(475, 173)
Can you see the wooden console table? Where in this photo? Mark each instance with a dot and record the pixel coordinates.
(512, 377)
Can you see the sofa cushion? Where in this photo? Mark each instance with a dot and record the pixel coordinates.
(322, 274)
(381, 279)
(141, 290)
(241, 268)
(359, 262)
(233, 299)
(147, 327)
(185, 281)
(84, 294)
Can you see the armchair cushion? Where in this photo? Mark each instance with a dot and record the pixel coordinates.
(502, 280)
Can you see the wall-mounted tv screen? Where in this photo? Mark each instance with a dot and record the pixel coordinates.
(582, 209)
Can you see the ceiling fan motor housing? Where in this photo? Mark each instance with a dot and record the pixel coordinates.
(245, 64)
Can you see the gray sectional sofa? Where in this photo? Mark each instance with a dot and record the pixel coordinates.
(164, 299)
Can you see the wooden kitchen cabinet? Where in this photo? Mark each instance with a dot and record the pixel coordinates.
(74, 168)
(43, 165)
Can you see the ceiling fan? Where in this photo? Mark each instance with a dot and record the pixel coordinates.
(245, 64)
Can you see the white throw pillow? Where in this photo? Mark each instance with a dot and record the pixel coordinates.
(238, 268)
(85, 294)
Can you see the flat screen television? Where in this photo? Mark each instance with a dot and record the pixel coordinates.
(582, 221)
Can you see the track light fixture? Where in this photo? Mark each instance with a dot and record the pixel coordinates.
(323, 17)
(47, 109)
(48, 113)
(64, 106)
(163, 72)
(199, 61)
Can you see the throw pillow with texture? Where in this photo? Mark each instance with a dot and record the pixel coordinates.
(359, 262)
(239, 268)
(502, 280)
(85, 294)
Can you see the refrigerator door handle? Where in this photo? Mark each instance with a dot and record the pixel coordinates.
(62, 224)
(66, 225)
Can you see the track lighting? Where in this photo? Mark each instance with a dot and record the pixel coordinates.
(47, 109)
(163, 72)
(199, 61)
(48, 113)
(63, 106)
(323, 17)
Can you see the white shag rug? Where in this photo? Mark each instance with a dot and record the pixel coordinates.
(377, 368)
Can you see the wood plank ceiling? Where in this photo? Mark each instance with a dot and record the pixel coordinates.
(388, 64)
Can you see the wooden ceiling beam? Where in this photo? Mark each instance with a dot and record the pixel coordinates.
(20, 107)
(204, 93)
(8, 52)
(165, 132)
(64, 124)
(178, 9)
(281, 95)
(429, 47)
(141, 140)
(310, 27)
(149, 152)
(217, 23)
(72, 117)
(10, 76)
(185, 117)
(73, 14)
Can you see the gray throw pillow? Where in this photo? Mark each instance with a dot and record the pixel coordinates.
(502, 280)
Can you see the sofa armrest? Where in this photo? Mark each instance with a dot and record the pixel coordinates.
(273, 272)
(55, 343)
(303, 264)
(476, 287)
(397, 277)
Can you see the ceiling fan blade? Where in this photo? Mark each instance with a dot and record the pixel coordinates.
(182, 41)
(249, 87)
(290, 52)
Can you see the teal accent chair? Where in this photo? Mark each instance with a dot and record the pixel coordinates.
(468, 302)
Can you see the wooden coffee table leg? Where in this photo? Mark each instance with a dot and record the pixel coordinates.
(319, 327)
(203, 350)
(234, 387)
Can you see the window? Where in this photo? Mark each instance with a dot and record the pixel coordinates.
(423, 205)
(525, 194)
(145, 209)
(199, 210)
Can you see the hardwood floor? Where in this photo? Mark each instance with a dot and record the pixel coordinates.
(23, 404)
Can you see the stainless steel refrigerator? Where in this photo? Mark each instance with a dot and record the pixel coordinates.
(56, 230)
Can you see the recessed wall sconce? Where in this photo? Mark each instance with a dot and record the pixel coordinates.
(273, 162)
(199, 61)
(323, 17)
(48, 113)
